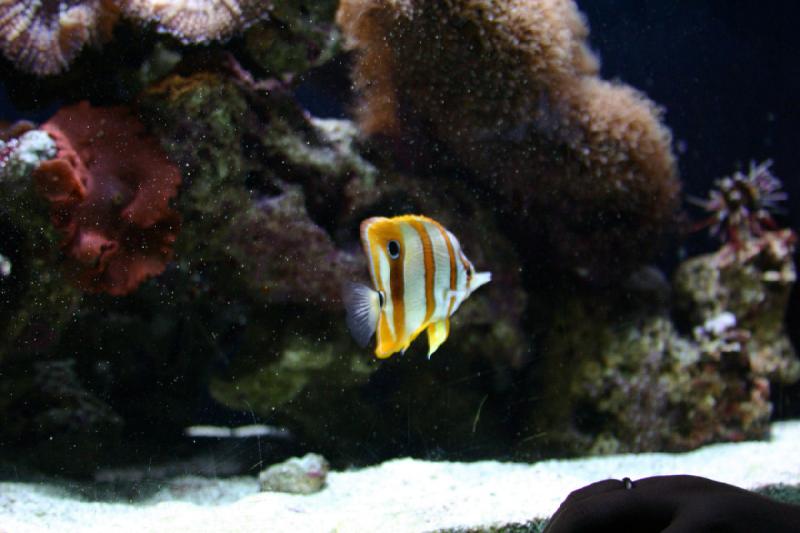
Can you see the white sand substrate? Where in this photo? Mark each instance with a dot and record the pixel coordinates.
(397, 496)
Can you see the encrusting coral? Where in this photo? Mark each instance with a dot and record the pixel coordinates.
(109, 189)
(512, 90)
(43, 37)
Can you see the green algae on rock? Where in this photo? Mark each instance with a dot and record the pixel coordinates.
(277, 365)
(250, 161)
(647, 388)
(639, 382)
(299, 35)
(36, 301)
(271, 207)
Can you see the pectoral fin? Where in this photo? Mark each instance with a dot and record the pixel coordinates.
(363, 310)
(437, 334)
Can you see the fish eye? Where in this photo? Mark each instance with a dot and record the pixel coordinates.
(394, 249)
(381, 298)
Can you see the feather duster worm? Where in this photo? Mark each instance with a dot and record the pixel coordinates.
(109, 188)
(511, 88)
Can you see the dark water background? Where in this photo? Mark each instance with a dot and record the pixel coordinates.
(728, 74)
(726, 71)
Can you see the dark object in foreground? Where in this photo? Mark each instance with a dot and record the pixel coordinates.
(672, 504)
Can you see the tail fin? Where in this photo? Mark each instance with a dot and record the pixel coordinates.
(480, 278)
(363, 309)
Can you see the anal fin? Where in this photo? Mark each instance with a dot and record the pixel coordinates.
(437, 334)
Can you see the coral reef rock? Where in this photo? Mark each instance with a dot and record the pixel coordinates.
(271, 205)
(259, 176)
(754, 290)
(53, 417)
(109, 188)
(298, 475)
(638, 382)
(35, 302)
(512, 90)
(297, 36)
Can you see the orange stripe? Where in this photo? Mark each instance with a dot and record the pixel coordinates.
(452, 254)
(465, 264)
(430, 267)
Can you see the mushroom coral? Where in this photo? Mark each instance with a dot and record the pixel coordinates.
(511, 88)
(109, 188)
(197, 21)
(44, 36)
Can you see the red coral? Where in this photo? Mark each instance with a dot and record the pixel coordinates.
(109, 189)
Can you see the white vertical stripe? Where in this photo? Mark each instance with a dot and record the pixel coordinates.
(413, 278)
(441, 278)
(365, 242)
(384, 271)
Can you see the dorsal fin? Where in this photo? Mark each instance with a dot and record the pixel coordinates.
(363, 306)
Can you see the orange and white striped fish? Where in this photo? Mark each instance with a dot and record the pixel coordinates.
(420, 277)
